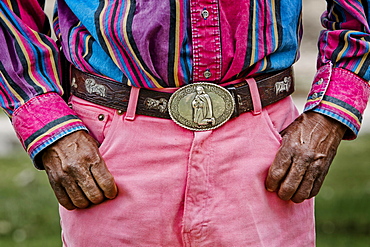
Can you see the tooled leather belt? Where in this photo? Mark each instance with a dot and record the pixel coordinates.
(271, 87)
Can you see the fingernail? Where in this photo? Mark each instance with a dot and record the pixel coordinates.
(270, 190)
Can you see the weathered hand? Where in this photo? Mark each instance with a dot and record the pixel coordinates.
(308, 147)
(77, 173)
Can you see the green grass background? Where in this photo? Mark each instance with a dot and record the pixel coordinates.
(29, 216)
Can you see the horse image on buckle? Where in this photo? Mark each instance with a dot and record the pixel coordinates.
(201, 106)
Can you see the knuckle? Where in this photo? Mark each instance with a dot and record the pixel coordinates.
(107, 178)
(95, 160)
(72, 167)
(288, 188)
(83, 162)
(286, 192)
(300, 169)
(58, 179)
(316, 166)
(108, 186)
(63, 179)
(109, 183)
(307, 157)
(310, 178)
(94, 195)
(91, 191)
(294, 144)
(276, 174)
(96, 198)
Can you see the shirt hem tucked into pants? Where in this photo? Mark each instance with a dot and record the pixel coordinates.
(183, 188)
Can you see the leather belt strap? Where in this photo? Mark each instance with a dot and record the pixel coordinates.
(272, 88)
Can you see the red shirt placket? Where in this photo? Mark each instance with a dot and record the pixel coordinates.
(206, 38)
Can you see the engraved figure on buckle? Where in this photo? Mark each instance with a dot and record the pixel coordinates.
(201, 106)
(203, 110)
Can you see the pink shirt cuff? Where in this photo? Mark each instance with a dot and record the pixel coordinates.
(340, 94)
(43, 120)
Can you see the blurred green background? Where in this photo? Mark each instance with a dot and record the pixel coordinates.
(29, 212)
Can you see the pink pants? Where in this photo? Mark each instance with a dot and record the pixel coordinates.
(184, 188)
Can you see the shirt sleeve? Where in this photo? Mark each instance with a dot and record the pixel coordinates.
(341, 86)
(30, 70)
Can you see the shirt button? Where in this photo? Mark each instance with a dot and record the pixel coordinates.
(205, 14)
(207, 74)
(320, 81)
(120, 112)
(101, 117)
(314, 96)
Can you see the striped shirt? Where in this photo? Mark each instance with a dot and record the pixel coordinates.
(160, 44)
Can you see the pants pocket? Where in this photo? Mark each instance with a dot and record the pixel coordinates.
(280, 115)
(96, 118)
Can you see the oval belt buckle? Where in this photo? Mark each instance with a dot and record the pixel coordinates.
(201, 106)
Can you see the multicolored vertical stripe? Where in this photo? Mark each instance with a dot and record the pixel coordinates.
(31, 66)
(346, 41)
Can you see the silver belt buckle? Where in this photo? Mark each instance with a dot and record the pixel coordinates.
(201, 106)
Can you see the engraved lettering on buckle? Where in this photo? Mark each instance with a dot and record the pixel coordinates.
(160, 104)
(284, 85)
(201, 106)
(93, 87)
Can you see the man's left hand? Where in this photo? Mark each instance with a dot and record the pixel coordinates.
(308, 147)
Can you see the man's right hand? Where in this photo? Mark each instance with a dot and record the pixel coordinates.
(77, 172)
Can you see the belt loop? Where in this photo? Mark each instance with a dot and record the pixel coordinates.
(132, 103)
(255, 95)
